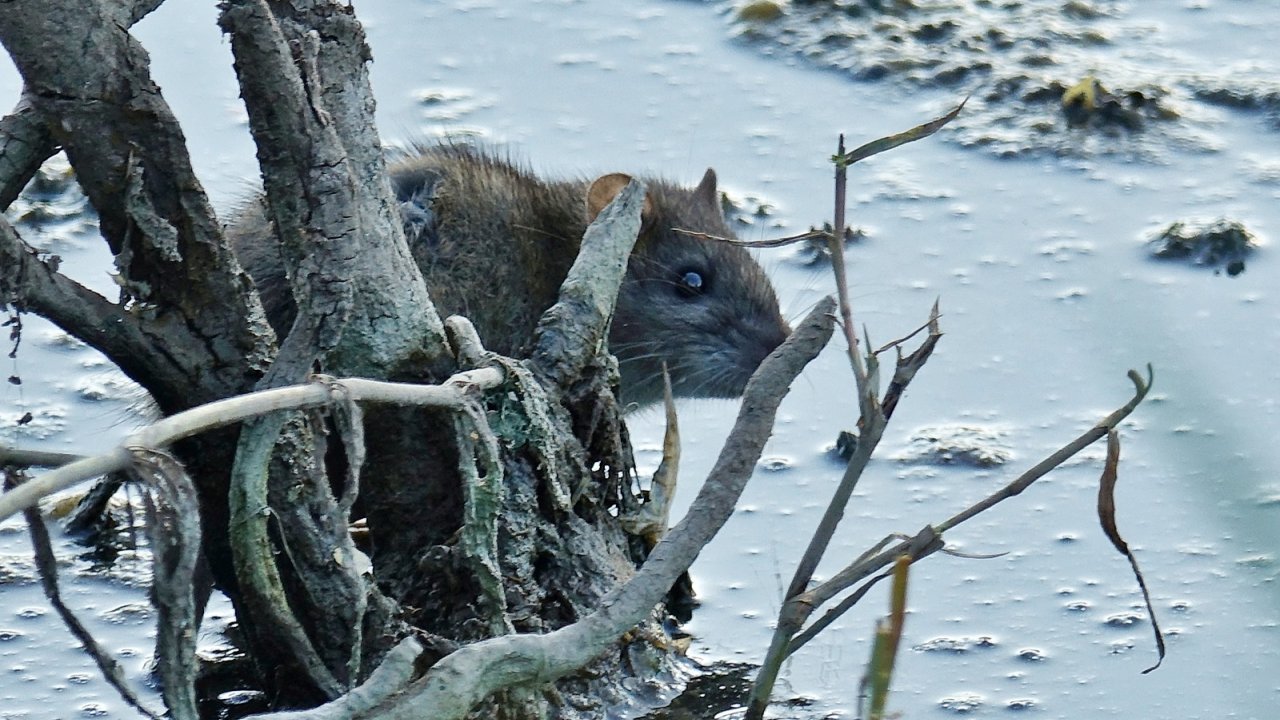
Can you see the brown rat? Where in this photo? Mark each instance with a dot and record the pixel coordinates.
(494, 243)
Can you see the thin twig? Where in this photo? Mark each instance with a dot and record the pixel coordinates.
(21, 457)
(928, 325)
(450, 394)
(928, 541)
(776, 242)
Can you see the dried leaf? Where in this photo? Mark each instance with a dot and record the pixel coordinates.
(1107, 518)
(875, 147)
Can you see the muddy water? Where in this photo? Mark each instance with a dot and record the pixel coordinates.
(1031, 234)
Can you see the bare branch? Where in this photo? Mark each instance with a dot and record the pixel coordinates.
(20, 457)
(84, 70)
(1110, 422)
(929, 540)
(32, 283)
(452, 394)
(570, 332)
(908, 365)
(358, 291)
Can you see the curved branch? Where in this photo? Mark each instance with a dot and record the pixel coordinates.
(451, 394)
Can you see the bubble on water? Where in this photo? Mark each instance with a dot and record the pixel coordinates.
(1123, 619)
(776, 463)
(1120, 647)
(1032, 655)
(956, 645)
(963, 703)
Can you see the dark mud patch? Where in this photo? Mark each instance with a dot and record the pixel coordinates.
(720, 689)
(1221, 245)
(1024, 64)
(957, 444)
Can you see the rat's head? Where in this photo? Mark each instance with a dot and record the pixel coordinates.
(703, 306)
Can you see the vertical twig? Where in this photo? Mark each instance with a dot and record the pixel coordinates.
(871, 421)
(888, 637)
(836, 243)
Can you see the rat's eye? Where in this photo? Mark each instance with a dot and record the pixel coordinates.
(691, 283)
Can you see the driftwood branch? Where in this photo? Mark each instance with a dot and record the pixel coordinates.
(569, 334)
(450, 394)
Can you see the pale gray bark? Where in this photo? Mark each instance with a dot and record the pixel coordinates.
(573, 330)
(359, 293)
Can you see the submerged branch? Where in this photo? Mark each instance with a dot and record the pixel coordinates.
(47, 566)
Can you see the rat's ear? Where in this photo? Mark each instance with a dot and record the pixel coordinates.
(706, 191)
(605, 189)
